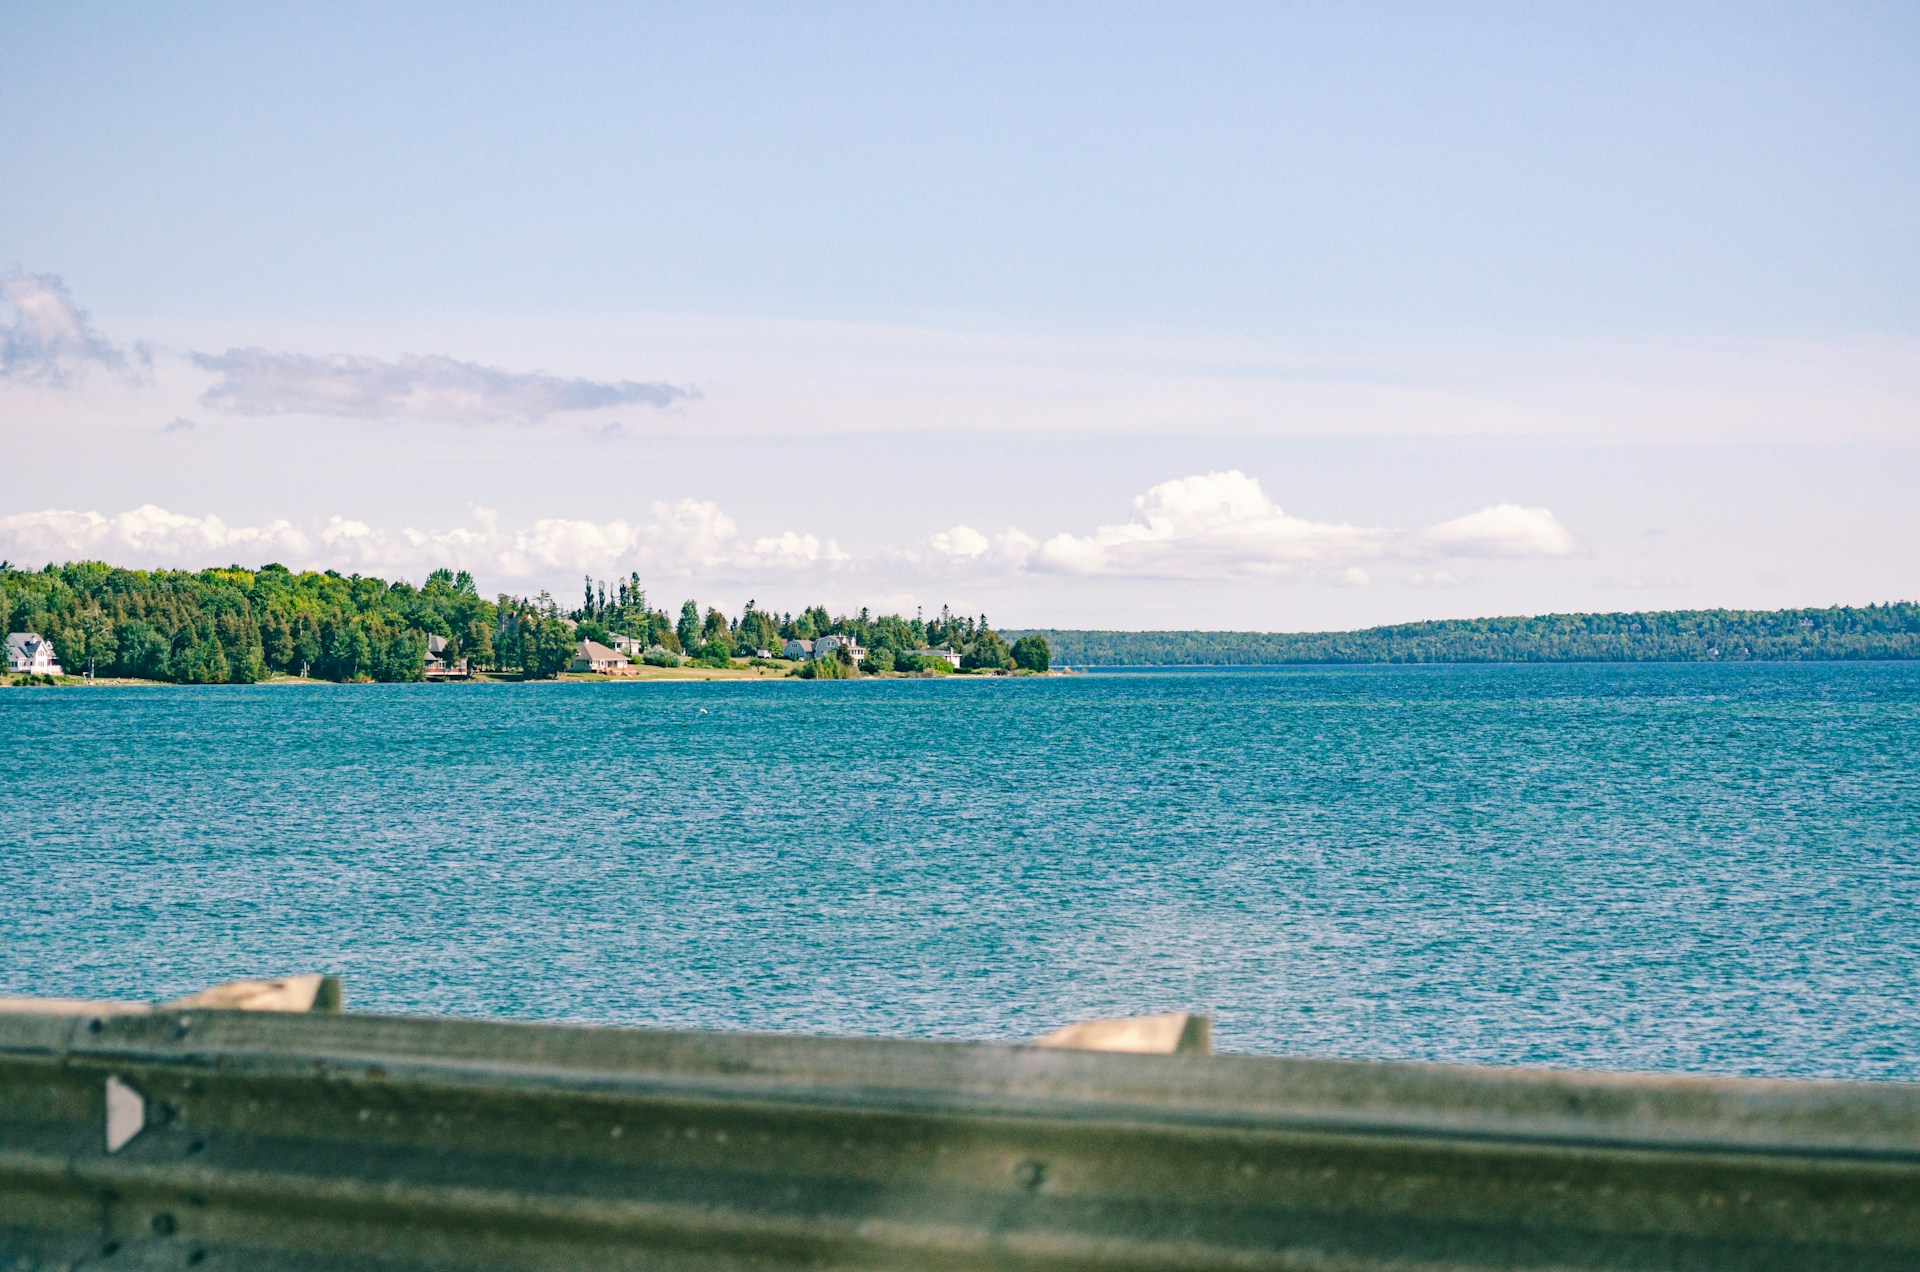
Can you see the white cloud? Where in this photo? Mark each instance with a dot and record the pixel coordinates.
(146, 536)
(49, 339)
(1215, 526)
(688, 539)
(1222, 525)
(1432, 578)
(962, 541)
(1504, 530)
(413, 386)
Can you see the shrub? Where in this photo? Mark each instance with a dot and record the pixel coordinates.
(825, 669)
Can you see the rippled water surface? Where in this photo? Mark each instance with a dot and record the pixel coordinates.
(1709, 868)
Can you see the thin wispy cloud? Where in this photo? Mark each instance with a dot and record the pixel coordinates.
(45, 338)
(260, 382)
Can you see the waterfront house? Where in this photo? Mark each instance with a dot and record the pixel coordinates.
(800, 649)
(827, 644)
(440, 664)
(31, 654)
(628, 645)
(591, 655)
(946, 656)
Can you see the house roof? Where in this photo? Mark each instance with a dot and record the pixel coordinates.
(435, 644)
(594, 651)
(24, 640)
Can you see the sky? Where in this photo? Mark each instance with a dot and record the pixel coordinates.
(1282, 317)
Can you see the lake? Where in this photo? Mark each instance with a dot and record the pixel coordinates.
(1676, 867)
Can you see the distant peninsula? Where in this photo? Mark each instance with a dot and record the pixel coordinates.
(1838, 633)
(89, 620)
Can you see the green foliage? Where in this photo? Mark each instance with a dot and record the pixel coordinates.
(717, 631)
(713, 654)
(234, 626)
(659, 656)
(832, 667)
(1030, 653)
(987, 653)
(879, 659)
(1840, 633)
(688, 629)
(549, 646)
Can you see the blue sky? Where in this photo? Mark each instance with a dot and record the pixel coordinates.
(1230, 316)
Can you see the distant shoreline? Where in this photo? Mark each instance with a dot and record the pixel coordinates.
(1869, 633)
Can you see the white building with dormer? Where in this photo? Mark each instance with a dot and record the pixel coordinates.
(31, 654)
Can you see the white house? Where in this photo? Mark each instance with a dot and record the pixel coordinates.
(801, 649)
(628, 645)
(944, 655)
(31, 654)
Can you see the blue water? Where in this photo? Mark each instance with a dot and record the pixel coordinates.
(1665, 867)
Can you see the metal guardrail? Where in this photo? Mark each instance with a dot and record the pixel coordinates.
(216, 1138)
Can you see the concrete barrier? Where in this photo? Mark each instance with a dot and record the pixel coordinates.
(214, 1138)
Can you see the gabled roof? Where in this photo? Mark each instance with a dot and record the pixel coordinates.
(24, 640)
(594, 651)
(436, 644)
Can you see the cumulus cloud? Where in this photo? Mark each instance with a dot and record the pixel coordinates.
(48, 339)
(1215, 526)
(1504, 530)
(962, 541)
(691, 538)
(1212, 526)
(144, 535)
(426, 387)
(1223, 525)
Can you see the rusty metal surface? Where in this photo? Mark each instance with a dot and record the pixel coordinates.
(266, 1141)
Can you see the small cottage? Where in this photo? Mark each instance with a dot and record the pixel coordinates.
(591, 655)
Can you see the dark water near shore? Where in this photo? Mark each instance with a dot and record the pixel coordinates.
(1654, 867)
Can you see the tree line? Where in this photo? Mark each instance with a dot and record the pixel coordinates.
(1836, 633)
(238, 626)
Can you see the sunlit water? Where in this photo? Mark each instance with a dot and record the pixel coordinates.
(1704, 868)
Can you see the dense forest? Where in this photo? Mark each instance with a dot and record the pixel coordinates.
(236, 626)
(1841, 632)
